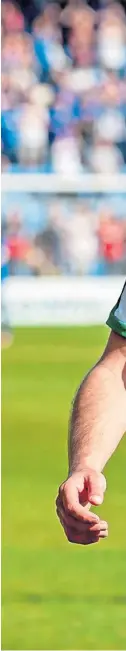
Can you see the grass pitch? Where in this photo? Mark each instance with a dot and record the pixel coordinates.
(55, 595)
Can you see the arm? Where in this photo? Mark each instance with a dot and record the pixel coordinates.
(97, 423)
(98, 419)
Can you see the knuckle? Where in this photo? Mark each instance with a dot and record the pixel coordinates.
(94, 528)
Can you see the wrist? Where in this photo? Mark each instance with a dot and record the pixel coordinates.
(87, 462)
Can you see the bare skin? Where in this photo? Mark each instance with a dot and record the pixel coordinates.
(97, 424)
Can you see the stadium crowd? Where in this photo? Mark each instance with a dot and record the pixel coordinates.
(64, 110)
(63, 87)
(74, 236)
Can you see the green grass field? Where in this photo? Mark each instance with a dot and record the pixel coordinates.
(55, 595)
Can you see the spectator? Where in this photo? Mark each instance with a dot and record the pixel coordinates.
(18, 245)
(112, 38)
(111, 243)
(110, 125)
(70, 236)
(77, 56)
(33, 130)
(104, 157)
(40, 256)
(80, 240)
(48, 41)
(64, 129)
(82, 37)
(11, 17)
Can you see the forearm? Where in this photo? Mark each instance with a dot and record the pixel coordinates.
(98, 418)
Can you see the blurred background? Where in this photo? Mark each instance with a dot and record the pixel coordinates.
(63, 237)
(64, 112)
(63, 87)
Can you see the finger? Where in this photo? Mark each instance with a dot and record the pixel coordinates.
(102, 526)
(72, 523)
(74, 526)
(87, 537)
(69, 496)
(81, 539)
(96, 487)
(78, 525)
(73, 536)
(85, 520)
(86, 532)
(103, 534)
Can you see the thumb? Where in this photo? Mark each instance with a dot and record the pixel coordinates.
(96, 486)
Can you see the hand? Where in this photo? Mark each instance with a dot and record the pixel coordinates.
(75, 497)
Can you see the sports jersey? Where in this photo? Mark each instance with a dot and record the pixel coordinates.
(117, 317)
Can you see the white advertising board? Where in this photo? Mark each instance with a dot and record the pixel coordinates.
(61, 301)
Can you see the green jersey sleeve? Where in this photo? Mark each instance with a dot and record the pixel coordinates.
(117, 317)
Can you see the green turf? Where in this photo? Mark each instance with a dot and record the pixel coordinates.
(55, 595)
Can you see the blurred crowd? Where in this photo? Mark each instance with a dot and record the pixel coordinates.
(64, 235)
(63, 87)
